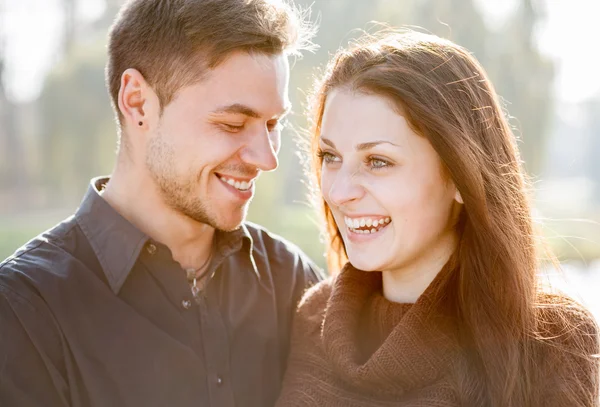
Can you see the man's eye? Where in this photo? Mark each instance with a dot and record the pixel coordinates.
(233, 128)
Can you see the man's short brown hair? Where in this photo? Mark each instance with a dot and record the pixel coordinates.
(172, 42)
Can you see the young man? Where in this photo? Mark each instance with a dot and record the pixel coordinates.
(156, 293)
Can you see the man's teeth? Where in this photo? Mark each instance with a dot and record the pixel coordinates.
(242, 186)
(366, 225)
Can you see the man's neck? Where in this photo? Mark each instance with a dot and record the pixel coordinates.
(136, 197)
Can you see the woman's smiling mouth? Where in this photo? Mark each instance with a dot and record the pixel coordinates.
(366, 224)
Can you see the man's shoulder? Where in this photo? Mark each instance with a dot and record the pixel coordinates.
(280, 252)
(25, 276)
(46, 253)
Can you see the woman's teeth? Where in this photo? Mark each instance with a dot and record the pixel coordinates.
(241, 186)
(366, 225)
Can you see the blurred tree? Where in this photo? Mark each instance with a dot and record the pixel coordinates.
(5, 130)
(524, 78)
(78, 139)
(592, 109)
(13, 174)
(521, 75)
(457, 20)
(69, 9)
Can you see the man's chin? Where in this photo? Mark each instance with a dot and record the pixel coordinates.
(221, 220)
(230, 223)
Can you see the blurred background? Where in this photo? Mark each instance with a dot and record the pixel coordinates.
(57, 129)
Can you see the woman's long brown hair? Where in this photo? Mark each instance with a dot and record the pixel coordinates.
(492, 291)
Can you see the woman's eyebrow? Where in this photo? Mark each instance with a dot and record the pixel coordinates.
(328, 142)
(361, 146)
(371, 144)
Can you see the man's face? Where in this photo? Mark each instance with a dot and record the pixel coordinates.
(215, 137)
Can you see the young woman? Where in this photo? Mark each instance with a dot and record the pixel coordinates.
(424, 196)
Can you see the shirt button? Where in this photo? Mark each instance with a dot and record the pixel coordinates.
(187, 304)
(151, 248)
(219, 381)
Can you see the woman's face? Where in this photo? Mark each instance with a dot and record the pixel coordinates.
(384, 185)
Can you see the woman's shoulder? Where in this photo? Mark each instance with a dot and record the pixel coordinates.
(567, 351)
(566, 334)
(309, 316)
(562, 319)
(315, 298)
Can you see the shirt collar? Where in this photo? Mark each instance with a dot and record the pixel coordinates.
(231, 242)
(117, 243)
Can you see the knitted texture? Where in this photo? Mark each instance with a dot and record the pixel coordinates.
(351, 347)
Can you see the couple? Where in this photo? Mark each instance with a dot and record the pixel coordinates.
(157, 293)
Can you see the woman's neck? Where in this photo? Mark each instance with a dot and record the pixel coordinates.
(406, 284)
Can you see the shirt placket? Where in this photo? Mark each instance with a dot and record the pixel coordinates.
(213, 344)
(216, 351)
(180, 296)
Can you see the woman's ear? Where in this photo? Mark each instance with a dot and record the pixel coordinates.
(458, 197)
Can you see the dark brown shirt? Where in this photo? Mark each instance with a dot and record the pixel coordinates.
(94, 313)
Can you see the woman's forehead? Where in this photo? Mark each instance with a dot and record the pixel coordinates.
(356, 119)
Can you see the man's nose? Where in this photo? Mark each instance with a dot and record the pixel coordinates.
(261, 151)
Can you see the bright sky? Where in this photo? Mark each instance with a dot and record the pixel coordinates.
(569, 35)
(31, 30)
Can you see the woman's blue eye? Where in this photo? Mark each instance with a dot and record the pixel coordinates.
(326, 157)
(378, 163)
(329, 158)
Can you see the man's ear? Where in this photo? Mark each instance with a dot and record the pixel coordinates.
(133, 96)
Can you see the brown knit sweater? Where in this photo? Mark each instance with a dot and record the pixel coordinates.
(352, 347)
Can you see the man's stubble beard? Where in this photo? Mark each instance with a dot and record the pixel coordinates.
(178, 193)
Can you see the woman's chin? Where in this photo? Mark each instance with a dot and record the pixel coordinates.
(364, 264)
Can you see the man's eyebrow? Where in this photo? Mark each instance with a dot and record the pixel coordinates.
(237, 108)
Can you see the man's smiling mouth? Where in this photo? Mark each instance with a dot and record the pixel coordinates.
(239, 184)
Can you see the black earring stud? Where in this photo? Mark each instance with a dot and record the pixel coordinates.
(140, 123)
